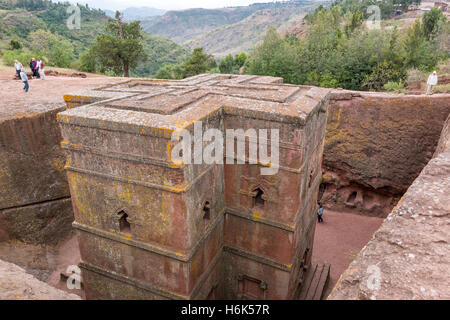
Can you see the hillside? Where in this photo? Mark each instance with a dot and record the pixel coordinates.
(133, 13)
(20, 20)
(17, 21)
(160, 52)
(246, 34)
(185, 25)
(181, 26)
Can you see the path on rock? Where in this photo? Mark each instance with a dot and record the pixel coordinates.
(16, 284)
(43, 94)
(340, 238)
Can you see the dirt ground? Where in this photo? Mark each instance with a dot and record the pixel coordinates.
(339, 239)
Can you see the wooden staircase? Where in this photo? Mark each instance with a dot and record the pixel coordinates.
(315, 283)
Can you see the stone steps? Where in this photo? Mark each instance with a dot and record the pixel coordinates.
(315, 283)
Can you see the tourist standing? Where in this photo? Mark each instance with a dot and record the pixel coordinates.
(32, 65)
(320, 213)
(18, 67)
(432, 81)
(24, 78)
(41, 69)
(38, 68)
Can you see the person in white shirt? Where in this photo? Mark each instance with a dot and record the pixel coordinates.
(38, 68)
(18, 67)
(432, 81)
(41, 69)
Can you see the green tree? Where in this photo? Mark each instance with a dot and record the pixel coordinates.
(15, 45)
(274, 57)
(61, 52)
(381, 74)
(171, 72)
(121, 47)
(200, 62)
(88, 62)
(227, 65)
(419, 53)
(324, 38)
(240, 59)
(58, 50)
(431, 22)
(9, 56)
(356, 21)
(338, 51)
(231, 64)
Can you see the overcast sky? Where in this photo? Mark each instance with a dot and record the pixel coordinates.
(166, 4)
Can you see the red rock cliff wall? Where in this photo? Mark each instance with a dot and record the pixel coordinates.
(376, 145)
(35, 204)
(407, 258)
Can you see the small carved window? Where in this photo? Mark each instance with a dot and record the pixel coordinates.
(259, 200)
(124, 225)
(206, 211)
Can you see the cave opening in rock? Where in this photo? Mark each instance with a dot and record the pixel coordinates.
(322, 189)
(352, 197)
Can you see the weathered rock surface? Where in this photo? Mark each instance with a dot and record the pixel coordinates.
(409, 256)
(31, 160)
(34, 193)
(43, 223)
(16, 284)
(444, 141)
(376, 145)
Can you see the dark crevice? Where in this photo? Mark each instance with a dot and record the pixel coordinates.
(35, 204)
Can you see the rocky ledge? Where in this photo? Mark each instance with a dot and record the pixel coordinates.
(409, 256)
(16, 284)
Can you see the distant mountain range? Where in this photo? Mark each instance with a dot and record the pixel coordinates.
(227, 30)
(134, 13)
(221, 31)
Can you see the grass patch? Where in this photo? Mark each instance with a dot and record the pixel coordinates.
(443, 88)
(397, 87)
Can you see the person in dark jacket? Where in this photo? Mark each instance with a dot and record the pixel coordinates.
(320, 213)
(33, 67)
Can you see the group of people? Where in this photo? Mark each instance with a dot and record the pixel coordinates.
(37, 70)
